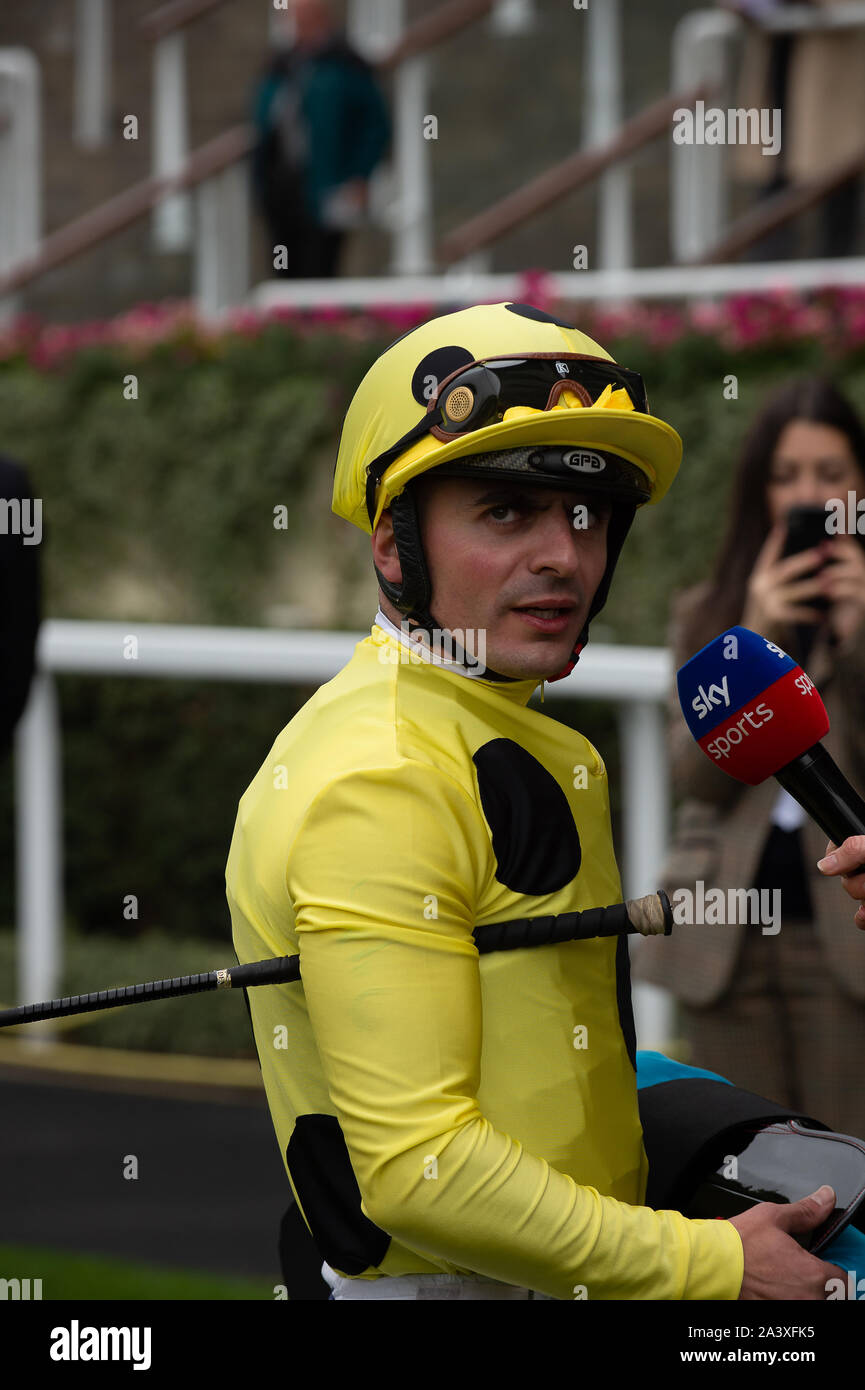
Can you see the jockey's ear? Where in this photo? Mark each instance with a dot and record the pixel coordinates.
(384, 549)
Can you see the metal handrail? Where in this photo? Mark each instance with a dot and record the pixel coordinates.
(167, 19)
(127, 207)
(565, 177)
(442, 23)
(777, 210)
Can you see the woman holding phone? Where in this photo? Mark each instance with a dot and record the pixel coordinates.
(777, 1007)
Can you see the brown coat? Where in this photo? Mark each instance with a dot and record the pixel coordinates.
(721, 828)
(824, 120)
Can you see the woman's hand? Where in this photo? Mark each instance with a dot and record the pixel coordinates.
(777, 594)
(356, 192)
(843, 583)
(843, 860)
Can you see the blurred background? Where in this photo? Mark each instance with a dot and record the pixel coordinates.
(178, 345)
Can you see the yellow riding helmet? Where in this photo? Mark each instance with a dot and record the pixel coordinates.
(406, 417)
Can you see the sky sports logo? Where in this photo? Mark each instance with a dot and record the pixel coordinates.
(721, 745)
(705, 701)
(764, 702)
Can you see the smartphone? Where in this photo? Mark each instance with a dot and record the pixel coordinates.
(806, 529)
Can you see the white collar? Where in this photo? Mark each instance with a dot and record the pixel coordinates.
(418, 642)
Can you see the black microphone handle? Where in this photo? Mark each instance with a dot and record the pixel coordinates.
(816, 781)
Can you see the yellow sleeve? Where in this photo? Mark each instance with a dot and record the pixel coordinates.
(384, 877)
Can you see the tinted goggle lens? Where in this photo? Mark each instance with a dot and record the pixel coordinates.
(481, 394)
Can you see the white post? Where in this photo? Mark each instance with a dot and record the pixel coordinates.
(172, 218)
(602, 118)
(20, 162)
(372, 27)
(645, 836)
(222, 241)
(92, 71)
(513, 17)
(645, 826)
(39, 845)
(412, 251)
(698, 188)
(400, 196)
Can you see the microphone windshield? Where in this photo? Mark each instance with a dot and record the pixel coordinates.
(749, 706)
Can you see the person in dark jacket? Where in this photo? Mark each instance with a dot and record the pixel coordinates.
(20, 595)
(322, 126)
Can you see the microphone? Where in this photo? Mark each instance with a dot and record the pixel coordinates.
(756, 714)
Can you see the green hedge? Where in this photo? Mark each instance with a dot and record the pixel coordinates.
(215, 1024)
(162, 506)
(161, 509)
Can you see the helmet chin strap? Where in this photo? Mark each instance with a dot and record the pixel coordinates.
(412, 596)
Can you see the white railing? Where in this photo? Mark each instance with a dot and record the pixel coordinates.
(458, 288)
(637, 679)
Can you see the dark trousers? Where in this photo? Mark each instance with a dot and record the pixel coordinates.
(312, 252)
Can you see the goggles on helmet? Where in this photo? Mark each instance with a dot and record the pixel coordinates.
(479, 394)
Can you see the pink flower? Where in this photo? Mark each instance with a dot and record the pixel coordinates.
(834, 317)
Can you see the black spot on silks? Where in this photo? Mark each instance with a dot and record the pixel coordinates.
(623, 998)
(528, 311)
(535, 839)
(437, 365)
(326, 1186)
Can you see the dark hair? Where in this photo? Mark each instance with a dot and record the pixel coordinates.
(810, 398)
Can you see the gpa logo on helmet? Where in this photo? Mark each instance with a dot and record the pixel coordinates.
(584, 461)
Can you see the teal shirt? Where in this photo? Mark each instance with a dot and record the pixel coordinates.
(344, 114)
